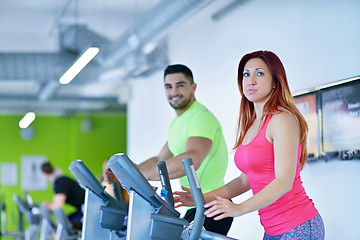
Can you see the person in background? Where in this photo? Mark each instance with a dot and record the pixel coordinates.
(194, 133)
(66, 191)
(114, 187)
(270, 153)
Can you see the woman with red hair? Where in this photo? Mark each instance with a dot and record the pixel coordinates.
(270, 152)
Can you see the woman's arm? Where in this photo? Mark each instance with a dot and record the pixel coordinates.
(283, 132)
(232, 189)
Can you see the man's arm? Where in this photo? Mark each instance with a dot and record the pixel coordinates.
(149, 166)
(196, 148)
(58, 201)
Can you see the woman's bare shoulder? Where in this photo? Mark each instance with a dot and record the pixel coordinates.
(283, 118)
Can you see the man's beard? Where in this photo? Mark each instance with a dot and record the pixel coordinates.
(181, 105)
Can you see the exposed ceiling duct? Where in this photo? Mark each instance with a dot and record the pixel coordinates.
(231, 7)
(78, 38)
(130, 46)
(151, 27)
(62, 106)
(42, 67)
(38, 66)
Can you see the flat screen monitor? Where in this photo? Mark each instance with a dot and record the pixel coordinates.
(307, 105)
(341, 117)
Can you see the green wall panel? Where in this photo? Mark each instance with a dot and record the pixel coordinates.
(62, 140)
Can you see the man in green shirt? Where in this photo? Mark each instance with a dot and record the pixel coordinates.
(194, 133)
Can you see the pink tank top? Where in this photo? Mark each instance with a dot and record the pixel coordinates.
(256, 160)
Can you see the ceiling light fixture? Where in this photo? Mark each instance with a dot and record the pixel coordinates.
(27, 120)
(74, 70)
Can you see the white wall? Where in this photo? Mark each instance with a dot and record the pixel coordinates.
(318, 42)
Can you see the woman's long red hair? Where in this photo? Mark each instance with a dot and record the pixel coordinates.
(281, 96)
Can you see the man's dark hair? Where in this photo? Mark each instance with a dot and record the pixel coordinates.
(47, 168)
(179, 68)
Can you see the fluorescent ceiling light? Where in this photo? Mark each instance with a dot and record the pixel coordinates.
(79, 65)
(27, 120)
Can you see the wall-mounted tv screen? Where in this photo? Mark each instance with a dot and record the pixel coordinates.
(341, 117)
(307, 106)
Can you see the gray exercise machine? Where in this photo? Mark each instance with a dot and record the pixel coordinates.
(197, 231)
(104, 216)
(166, 191)
(150, 216)
(33, 216)
(64, 229)
(48, 227)
(19, 234)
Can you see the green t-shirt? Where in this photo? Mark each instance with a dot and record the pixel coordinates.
(198, 121)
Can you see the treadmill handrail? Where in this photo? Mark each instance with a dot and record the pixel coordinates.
(196, 231)
(165, 182)
(198, 199)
